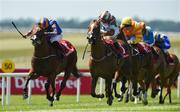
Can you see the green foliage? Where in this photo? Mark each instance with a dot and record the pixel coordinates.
(158, 25)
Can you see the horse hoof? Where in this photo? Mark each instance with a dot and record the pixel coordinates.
(161, 102)
(109, 102)
(51, 104)
(153, 96)
(50, 99)
(120, 99)
(25, 96)
(57, 98)
(102, 96)
(117, 95)
(126, 100)
(145, 102)
(132, 99)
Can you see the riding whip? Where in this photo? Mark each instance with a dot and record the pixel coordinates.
(85, 51)
(18, 30)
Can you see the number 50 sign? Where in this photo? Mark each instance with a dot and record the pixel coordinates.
(8, 66)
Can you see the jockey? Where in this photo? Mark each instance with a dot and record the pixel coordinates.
(54, 31)
(163, 42)
(148, 36)
(109, 27)
(133, 31)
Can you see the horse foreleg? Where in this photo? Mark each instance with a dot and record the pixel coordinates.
(161, 97)
(93, 88)
(123, 88)
(63, 84)
(108, 90)
(115, 84)
(52, 80)
(76, 73)
(47, 84)
(25, 90)
(168, 93)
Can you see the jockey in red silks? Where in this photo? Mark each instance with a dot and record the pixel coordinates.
(134, 32)
(109, 28)
(54, 31)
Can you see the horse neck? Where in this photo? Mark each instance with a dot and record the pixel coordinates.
(42, 50)
(98, 50)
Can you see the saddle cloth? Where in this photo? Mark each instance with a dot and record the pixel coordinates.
(123, 50)
(67, 47)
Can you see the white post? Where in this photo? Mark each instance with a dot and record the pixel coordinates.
(3, 90)
(100, 87)
(29, 92)
(78, 90)
(8, 90)
(178, 87)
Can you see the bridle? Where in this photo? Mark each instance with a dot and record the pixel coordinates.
(92, 38)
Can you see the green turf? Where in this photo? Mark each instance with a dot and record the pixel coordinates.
(88, 103)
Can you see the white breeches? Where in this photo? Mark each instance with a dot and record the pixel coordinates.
(56, 38)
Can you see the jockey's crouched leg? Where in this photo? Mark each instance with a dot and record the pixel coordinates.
(155, 54)
(59, 49)
(116, 45)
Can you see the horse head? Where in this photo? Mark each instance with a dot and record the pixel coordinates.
(93, 32)
(37, 36)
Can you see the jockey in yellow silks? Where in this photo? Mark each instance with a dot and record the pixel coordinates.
(132, 30)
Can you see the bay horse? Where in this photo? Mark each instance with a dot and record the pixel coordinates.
(142, 69)
(167, 79)
(103, 62)
(45, 62)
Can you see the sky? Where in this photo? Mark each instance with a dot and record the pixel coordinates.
(87, 9)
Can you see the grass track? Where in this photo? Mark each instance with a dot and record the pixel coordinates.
(87, 103)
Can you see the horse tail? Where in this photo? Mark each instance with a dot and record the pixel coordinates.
(76, 72)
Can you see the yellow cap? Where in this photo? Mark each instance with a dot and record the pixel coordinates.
(126, 21)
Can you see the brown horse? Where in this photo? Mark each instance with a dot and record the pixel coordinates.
(45, 62)
(167, 79)
(103, 62)
(142, 66)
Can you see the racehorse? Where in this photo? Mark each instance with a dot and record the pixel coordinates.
(45, 62)
(167, 79)
(142, 69)
(103, 62)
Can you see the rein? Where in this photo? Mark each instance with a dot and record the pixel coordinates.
(45, 57)
(101, 59)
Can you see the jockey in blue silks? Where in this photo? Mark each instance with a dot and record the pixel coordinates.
(148, 36)
(163, 42)
(54, 33)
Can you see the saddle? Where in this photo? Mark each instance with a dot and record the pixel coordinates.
(169, 58)
(121, 50)
(141, 48)
(155, 52)
(67, 47)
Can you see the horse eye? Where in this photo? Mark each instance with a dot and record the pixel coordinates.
(34, 37)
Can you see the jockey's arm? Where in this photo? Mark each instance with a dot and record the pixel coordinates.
(31, 32)
(56, 28)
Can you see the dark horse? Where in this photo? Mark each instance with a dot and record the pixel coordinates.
(45, 62)
(142, 70)
(167, 79)
(103, 62)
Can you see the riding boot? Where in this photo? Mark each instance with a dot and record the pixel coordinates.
(59, 49)
(154, 53)
(116, 45)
